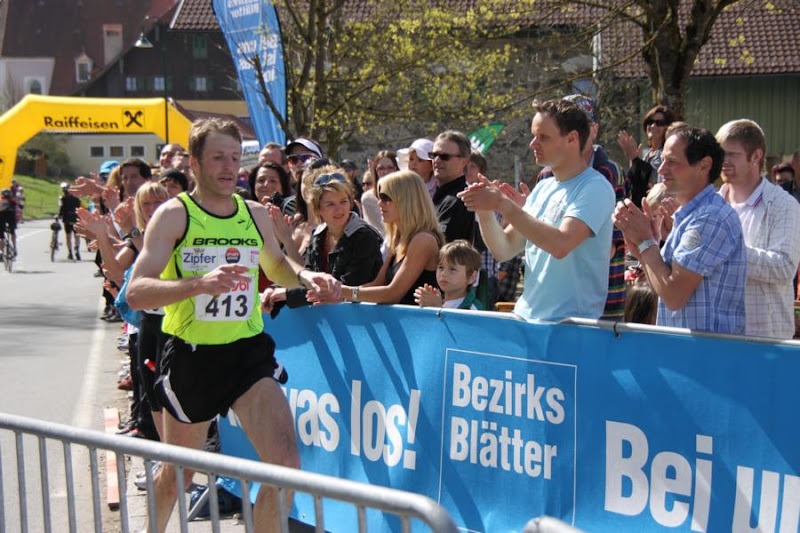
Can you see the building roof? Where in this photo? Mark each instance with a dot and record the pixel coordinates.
(194, 15)
(65, 30)
(748, 38)
(192, 114)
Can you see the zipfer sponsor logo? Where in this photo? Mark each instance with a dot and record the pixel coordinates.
(224, 241)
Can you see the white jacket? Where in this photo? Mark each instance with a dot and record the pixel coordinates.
(773, 254)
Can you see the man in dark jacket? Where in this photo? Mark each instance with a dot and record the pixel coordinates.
(450, 156)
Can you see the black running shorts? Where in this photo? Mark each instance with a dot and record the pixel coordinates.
(198, 383)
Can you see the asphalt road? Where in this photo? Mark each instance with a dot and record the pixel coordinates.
(58, 363)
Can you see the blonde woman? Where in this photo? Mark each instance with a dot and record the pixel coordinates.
(414, 239)
(343, 245)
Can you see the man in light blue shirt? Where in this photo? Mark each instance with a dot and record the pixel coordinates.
(564, 225)
(700, 274)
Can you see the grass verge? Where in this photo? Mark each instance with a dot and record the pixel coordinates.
(41, 196)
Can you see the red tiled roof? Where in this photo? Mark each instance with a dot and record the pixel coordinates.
(63, 30)
(194, 15)
(247, 130)
(748, 38)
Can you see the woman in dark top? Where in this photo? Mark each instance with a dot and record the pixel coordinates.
(644, 162)
(414, 239)
(343, 245)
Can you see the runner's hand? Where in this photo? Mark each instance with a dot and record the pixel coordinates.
(322, 287)
(223, 279)
(270, 297)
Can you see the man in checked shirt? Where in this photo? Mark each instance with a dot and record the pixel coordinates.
(770, 220)
(700, 273)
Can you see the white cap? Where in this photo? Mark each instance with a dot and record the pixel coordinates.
(421, 146)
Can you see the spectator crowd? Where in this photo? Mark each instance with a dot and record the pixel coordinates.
(189, 249)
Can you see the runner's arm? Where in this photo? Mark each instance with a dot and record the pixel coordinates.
(281, 269)
(147, 291)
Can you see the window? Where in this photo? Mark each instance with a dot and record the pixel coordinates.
(112, 42)
(137, 151)
(200, 48)
(130, 83)
(97, 151)
(83, 70)
(200, 84)
(34, 85)
(116, 151)
(158, 83)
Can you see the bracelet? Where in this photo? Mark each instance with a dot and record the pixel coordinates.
(354, 293)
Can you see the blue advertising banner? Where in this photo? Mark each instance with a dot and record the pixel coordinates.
(251, 28)
(501, 420)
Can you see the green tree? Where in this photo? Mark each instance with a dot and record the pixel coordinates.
(672, 34)
(354, 66)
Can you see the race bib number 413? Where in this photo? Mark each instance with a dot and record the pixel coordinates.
(235, 305)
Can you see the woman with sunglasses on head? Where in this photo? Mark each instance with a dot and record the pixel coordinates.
(644, 162)
(385, 163)
(343, 245)
(414, 242)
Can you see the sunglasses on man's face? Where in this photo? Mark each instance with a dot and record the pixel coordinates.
(299, 159)
(442, 156)
(662, 122)
(322, 179)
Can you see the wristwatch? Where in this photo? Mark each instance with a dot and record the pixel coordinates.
(354, 292)
(645, 244)
(135, 233)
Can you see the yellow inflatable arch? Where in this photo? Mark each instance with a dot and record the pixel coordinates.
(64, 114)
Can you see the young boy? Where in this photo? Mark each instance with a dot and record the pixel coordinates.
(459, 263)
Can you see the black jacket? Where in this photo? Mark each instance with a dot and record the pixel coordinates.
(354, 261)
(455, 220)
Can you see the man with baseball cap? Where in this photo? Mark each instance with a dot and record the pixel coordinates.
(597, 158)
(417, 159)
(106, 168)
(299, 152)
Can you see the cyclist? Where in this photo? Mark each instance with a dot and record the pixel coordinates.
(8, 218)
(67, 211)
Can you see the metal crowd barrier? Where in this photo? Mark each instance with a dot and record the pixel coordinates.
(405, 505)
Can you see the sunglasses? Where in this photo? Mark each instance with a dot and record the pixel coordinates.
(384, 198)
(662, 122)
(367, 183)
(322, 179)
(300, 158)
(442, 156)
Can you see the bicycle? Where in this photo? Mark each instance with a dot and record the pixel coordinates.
(8, 250)
(55, 227)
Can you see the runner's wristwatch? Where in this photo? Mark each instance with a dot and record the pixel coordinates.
(645, 244)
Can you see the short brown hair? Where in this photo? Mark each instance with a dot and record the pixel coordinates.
(479, 160)
(746, 132)
(460, 252)
(202, 127)
(568, 117)
(461, 140)
(664, 110)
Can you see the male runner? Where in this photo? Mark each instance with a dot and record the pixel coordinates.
(200, 261)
